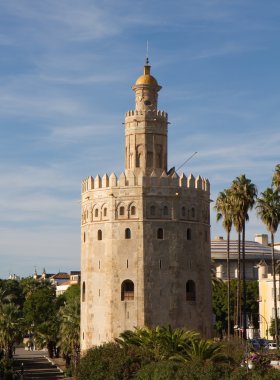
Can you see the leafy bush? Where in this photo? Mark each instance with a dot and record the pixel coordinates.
(165, 370)
(110, 362)
(6, 371)
(170, 370)
(241, 373)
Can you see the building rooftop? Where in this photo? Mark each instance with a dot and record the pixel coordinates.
(253, 250)
(61, 275)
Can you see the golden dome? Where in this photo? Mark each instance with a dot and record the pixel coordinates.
(146, 78)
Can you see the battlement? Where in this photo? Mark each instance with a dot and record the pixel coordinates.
(129, 179)
(161, 114)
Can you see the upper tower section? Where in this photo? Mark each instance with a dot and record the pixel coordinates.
(146, 128)
(146, 91)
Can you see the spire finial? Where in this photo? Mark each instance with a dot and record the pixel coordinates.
(147, 53)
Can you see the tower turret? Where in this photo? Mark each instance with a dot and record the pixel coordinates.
(146, 91)
(146, 128)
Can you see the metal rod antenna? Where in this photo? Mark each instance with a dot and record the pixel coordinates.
(147, 52)
(188, 159)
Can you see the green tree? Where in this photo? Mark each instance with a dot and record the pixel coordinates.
(69, 331)
(10, 291)
(277, 271)
(219, 303)
(216, 281)
(224, 209)
(40, 312)
(268, 209)
(276, 177)
(29, 285)
(46, 335)
(244, 194)
(238, 228)
(39, 305)
(272, 330)
(10, 327)
(72, 294)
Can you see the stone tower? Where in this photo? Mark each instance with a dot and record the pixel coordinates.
(145, 236)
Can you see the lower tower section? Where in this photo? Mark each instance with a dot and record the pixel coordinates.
(145, 255)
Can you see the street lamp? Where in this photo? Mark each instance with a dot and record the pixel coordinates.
(266, 325)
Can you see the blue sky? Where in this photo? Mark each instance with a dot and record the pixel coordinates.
(66, 71)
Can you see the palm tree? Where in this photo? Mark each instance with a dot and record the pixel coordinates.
(145, 337)
(277, 271)
(244, 195)
(276, 177)
(216, 281)
(5, 297)
(159, 342)
(46, 335)
(69, 333)
(171, 340)
(238, 227)
(200, 350)
(224, 208)
(268, 209)
(10, 327)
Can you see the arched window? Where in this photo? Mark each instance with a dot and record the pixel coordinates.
(83, 292)
(99, 235)
(133, 210)
(127, 233)
(96, 212)
(183, 211)
(127, 291)
(189, 234)
(105, 212)
(190, 291)
(121, 210)
(84, 237)
(153, 210)
(139, 156)
(160, 233)
(193, 212)
(165, 210)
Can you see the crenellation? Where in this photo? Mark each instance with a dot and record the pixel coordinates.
(198, 183)
(164, 180)
(183, 182)
(97, 182)
(113, 180)
(105, 181)
(135, 113)
(131, 179)
(175, 180)
(191, 181)
(156, 179)
(122, 180)
(207, 188)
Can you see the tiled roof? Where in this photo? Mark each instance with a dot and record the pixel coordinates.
(61, 276)
(253, 249)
